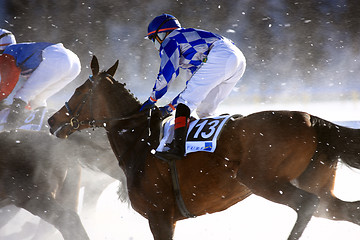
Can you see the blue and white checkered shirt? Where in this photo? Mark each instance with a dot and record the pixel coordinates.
(185, 48)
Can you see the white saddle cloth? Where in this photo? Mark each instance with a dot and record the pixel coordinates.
(202, 134)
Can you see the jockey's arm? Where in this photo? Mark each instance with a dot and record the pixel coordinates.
(169, 68)
(9, 73)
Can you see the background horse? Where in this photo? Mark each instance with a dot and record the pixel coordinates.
(34, 164)
(287, 157)
(42, 174)
(33, 179)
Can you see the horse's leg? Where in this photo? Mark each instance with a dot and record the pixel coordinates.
(335, 209)
(162, 225)
(69, 191)
(67, 196)
(66, 221)
(304, 203)
(319, 178)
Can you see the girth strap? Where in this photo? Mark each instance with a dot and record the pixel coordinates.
(176, 187)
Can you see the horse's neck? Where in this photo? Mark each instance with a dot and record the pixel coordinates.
(121, 101)
(129, 138)
(133, 143)
(124, 137)
(116, 111)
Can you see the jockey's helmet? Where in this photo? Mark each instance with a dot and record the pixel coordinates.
(6, 38)
(162, 23)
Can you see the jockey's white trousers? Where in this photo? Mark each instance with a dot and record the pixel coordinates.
(59, 67)
(215, 79)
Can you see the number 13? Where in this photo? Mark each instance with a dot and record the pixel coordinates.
(212, 127)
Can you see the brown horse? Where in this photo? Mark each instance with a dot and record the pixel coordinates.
(287, 157)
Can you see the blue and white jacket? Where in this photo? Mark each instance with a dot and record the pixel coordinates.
(185, 48)
(27, 56)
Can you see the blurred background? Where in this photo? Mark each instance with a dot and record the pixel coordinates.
(296, 50)
(301, 55)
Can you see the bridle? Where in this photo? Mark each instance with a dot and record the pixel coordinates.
(75, 124)
(74, 121)
(92, 122)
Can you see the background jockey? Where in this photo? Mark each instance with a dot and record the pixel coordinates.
(214, 65)
(46, 68)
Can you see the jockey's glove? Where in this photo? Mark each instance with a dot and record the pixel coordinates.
(165, 111)
(147, 105)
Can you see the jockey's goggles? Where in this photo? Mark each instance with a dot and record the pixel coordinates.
(159, 36)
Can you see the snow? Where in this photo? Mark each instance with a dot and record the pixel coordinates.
(252, 219)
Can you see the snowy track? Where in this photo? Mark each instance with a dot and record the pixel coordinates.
(252, 219)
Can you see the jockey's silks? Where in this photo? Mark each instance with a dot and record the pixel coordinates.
(9, 73)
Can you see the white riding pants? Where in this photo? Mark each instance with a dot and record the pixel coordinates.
(59, 67)
(215, 79)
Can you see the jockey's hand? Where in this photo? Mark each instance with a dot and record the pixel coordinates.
(165, 111)
(147, 105)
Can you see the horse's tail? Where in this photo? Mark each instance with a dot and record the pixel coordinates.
(337, 142)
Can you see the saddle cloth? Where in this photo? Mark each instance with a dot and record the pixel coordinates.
(202, 134)
(34, 120)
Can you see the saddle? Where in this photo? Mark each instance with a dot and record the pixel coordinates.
(202, 133)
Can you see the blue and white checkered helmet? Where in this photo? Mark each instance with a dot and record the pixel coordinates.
(6, 38)
(162, 23)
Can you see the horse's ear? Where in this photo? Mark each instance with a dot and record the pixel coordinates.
(112, 70)
(94, 66)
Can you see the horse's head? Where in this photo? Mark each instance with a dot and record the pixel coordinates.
(96, 102)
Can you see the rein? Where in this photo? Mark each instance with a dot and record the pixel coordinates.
(75, 124)
(74, 121)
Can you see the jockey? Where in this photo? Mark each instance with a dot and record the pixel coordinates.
(213, 63)
(46, 68)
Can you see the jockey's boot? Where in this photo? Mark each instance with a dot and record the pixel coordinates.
(177, 150)
(17, 110)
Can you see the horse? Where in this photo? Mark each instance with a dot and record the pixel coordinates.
(287, 157)
(42, 174)
(35, 175)
(30, 178)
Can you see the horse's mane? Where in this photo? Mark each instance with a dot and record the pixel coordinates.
(126, 91)
(120, 91)
(126, 105)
